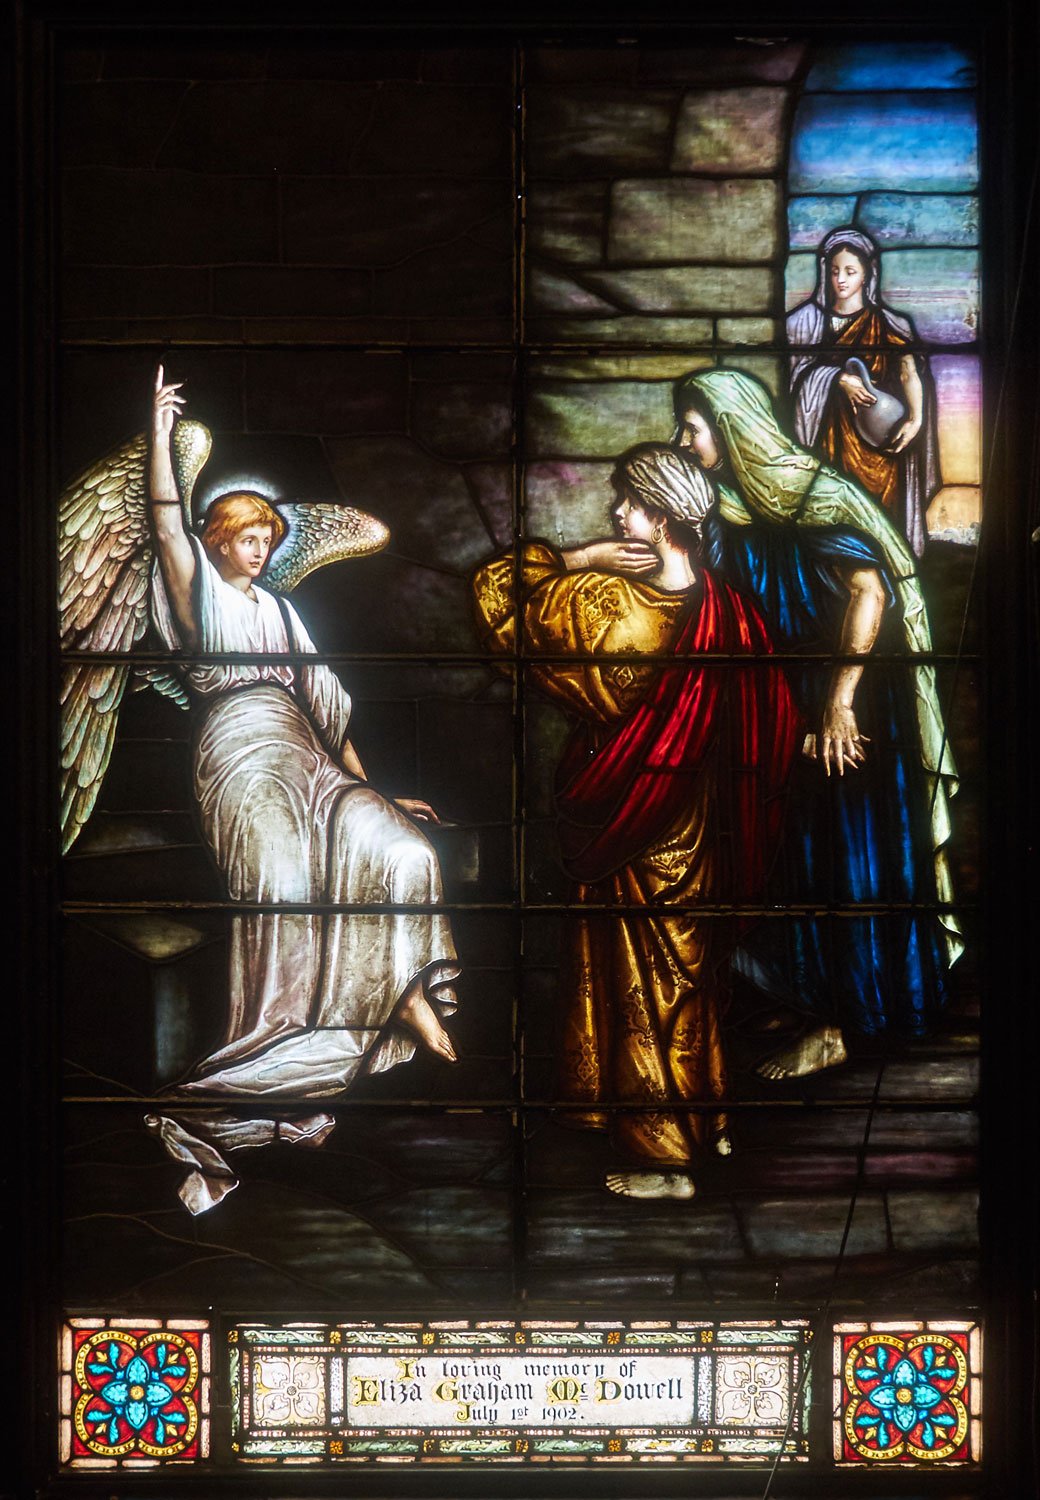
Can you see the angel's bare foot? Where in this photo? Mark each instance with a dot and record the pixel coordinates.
(722, 1144)
(650, 1184)
(819, 1049)
(417, 1014)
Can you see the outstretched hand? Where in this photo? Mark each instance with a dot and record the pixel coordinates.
(637, 558)
(166, 404)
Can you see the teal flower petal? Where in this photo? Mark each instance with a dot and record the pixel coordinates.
(137, 1372)
(137, 1414)
(905, 1373)
(883, 1397)
(157, 1394)
(904, 1417)
(115, 1392)
(926, 1396)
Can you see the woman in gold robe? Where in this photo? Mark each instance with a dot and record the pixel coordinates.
(669, 800)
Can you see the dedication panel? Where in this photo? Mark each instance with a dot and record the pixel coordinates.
(521, 1390)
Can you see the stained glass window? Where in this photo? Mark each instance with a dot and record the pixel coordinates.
(135, 1392)
(518, 728)
(909, 1393)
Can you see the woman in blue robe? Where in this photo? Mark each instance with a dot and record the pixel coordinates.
(869, 821)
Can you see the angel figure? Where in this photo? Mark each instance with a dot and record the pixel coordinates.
(317, 999)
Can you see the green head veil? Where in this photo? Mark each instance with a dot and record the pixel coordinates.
(778, 481)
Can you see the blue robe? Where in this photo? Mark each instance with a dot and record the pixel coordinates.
(861, 837)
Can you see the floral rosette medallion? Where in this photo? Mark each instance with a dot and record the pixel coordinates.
(905, 1398)
(133, 1393)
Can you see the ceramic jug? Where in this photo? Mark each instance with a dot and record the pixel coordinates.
(875, 424)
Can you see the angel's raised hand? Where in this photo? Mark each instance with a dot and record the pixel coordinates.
(166, 404)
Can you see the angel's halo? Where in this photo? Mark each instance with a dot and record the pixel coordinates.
(230, 484)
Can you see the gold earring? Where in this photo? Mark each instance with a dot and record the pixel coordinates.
(657, 535)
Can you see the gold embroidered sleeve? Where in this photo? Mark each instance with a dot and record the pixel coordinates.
(579, 620)
(494, 590)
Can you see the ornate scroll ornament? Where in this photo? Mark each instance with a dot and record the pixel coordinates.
(753, 1390)
(290, 1391)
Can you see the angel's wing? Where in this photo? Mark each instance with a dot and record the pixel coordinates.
(105, 559)
(319, 534)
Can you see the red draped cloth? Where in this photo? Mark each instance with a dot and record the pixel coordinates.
(670, 798)
(636, 785)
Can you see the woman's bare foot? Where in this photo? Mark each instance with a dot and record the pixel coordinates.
(651, 1184)
(417, 1014)
(819, 1049)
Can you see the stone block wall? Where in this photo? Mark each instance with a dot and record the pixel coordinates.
(655, 238)
(655, 195)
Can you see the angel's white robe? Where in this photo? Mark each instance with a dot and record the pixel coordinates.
(310, 995)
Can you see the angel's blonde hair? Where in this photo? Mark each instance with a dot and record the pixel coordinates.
(230, 514)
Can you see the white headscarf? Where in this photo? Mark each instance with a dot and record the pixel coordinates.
(865, 249)
(665, 479)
